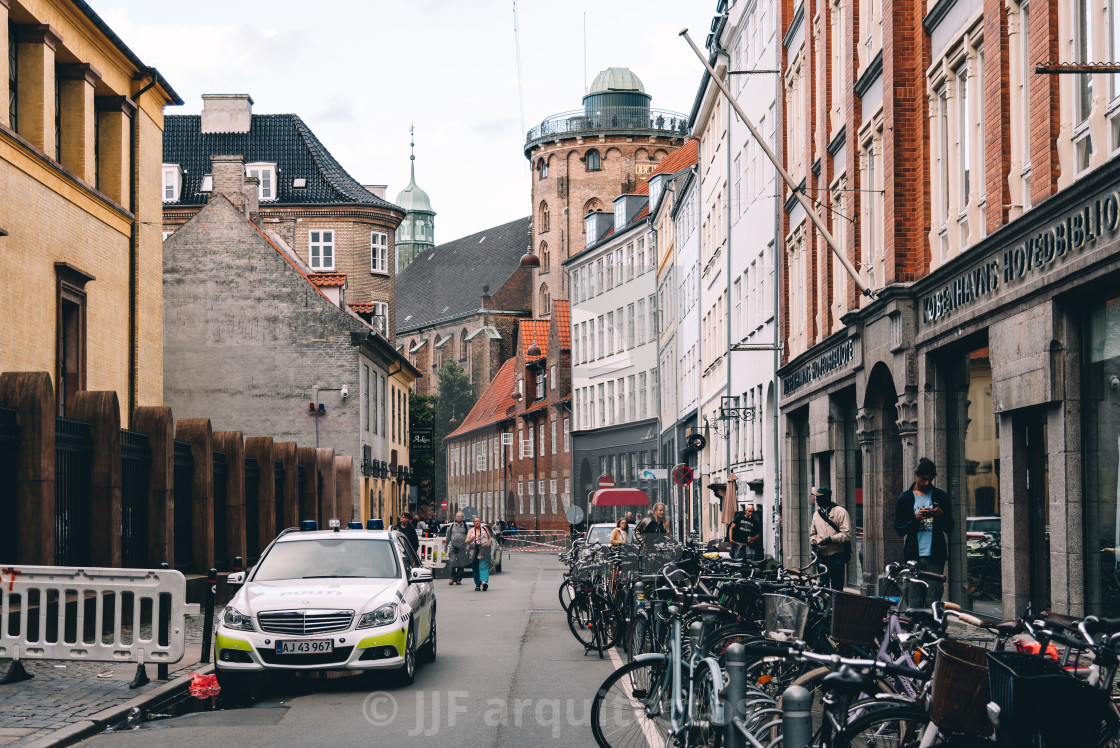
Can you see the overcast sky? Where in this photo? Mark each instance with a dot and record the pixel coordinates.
(359, 72)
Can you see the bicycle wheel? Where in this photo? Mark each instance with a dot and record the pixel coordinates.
(812, 680)
(632, 708)
(591, 616)
(639, 638)
(567, 592)
(882, 728)
(717, 642)
(707, 715)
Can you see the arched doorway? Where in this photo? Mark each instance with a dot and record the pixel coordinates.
(885, 475)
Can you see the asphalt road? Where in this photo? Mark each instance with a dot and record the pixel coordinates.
(509, 673)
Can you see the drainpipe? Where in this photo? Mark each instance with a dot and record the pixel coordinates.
(134, 246)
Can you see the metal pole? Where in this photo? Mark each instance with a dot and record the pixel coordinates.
(736, 659)
(208, 621)
(797, 721)
(816, 219)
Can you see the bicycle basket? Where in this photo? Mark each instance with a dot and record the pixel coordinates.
(785, 616)
(857, 619)
(1043, 706)
(960, 689)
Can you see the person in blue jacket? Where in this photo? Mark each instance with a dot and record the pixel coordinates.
(923, 515)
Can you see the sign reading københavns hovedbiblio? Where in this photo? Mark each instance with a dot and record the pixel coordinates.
(1037, 254)
(831, 360)
(420, 440)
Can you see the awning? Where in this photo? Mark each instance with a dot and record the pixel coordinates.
(619, 497)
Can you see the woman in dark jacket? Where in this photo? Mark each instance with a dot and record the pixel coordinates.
(457, 559)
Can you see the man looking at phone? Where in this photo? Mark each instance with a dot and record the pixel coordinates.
(923, 515)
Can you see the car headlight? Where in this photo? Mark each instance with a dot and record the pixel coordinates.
(383, 616)
(235, 619)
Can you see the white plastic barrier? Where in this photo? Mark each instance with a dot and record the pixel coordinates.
(432, 554)
(96, 614)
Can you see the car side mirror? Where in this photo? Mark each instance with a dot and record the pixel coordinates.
(236, 579)
(420, 575)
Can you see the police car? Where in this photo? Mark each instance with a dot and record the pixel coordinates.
(337, 599)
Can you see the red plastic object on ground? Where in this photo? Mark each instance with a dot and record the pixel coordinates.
(204, 686)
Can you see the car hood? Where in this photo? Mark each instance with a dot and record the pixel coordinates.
(359, 595)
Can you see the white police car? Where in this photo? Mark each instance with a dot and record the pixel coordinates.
(338, 599)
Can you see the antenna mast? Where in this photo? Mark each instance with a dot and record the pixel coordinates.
(517, 46)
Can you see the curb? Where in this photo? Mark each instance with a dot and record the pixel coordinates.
(94, 724)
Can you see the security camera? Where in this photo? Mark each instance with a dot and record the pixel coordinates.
(1114, 383)
(345, 392)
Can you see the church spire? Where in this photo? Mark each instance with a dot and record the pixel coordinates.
(417, 231)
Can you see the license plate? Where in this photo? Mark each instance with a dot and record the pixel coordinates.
(304, 646)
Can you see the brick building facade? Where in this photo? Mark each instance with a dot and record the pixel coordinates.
(510, 457)
(80, 140)
(334, 223)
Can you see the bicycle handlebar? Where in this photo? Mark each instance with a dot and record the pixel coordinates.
(798, 651)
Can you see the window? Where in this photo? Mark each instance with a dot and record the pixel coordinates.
(380, 318)
(629, 325)
(633, 399)
(642, 395)
(599, 275)
(320, 249)
(642, 256)
(381, 410)
(593, 163)
(610, 274)
(544, 298)
(567, 434)
(553, 437)
(619, 340)
(630, 261)
(610, 401)
(610, 333)
(542, 218)
(520, 497)
(641, 321)
(544, 257)
(552, 375)
(737, 317)
(13, 77)
(602, 337)
(602, 407)
(964, 142)
(532, 497)
(542, 168)
(652, 327)
(378, 252)
(738, 207)
(172, 182)
(267, 174)
(71, 336)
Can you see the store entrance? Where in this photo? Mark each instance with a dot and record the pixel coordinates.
(1031, 434)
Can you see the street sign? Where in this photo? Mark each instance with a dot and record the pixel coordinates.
(682, 475)
(574, 515)
(443, 504)
(653, 474)
(421, 441)
(606, 482)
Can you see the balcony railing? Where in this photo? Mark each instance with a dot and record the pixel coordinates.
(612, 118)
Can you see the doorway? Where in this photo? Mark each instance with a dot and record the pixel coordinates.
(1031, 428)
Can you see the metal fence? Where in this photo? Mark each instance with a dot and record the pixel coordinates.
(9, 454)
(136, 462)
(184, 513)
(221, 521)
(73, 449)
(252, 509)
(612, 118)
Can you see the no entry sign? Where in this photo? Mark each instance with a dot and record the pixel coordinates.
(682, 475)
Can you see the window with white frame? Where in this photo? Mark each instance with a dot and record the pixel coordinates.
(320, 249)
(378, 252)
(266, 173)
(172, 183)
(381, 317)
(520, 497)
(1025, 70)
(532, 497)
(567, 434)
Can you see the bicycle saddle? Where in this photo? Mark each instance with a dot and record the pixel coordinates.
(923, 616)
(711, 608)
(1067, 621)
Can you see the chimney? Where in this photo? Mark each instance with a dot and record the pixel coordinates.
(226, 113)
(252, 199)
(486, 295)
(229, 178)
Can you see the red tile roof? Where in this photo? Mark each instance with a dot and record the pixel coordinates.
(328, 279)
(562, 313)
(494, 404)
(361, 307)
(534, 331)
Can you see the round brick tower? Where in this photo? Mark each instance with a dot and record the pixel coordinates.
(582, 160)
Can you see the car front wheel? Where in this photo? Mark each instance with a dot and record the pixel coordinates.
(429, 651)
(406, 673)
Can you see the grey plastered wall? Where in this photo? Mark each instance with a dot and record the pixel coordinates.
(246, 337)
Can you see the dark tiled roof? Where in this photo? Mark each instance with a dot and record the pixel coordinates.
(446, 281)
(282, 139)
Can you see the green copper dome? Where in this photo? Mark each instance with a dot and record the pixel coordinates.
(616, 79)
(412, 198)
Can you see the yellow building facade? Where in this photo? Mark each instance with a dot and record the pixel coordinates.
(81, 131)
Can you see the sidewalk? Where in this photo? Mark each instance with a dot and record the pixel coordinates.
(68, 701)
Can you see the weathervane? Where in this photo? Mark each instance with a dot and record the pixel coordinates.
(412, 141)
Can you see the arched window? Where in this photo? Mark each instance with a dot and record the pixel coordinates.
(592, 158)
(542, 169)
(463, 345)
(544, 299)
(542, 218)
(465, 353)
(592, 205)
(542, 255)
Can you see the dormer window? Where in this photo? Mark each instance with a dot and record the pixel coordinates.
(207, 184)
(172, 182)
(619, 215)
(266, 173)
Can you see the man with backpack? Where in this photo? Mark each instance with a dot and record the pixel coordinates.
(830, 535)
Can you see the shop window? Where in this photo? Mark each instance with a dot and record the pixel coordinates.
(1101, 408)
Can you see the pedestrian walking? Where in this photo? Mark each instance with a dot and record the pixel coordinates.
(738, 534)
(923, 515)
(457, 559)
(620, 535)
(405, 528)
(755, 550)
(654, 527)
(478, 549)
(830, 534)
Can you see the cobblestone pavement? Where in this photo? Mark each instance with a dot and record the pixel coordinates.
(64, 693)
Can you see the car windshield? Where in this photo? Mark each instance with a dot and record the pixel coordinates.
(328, 558)
(987, 524)
(601, 534)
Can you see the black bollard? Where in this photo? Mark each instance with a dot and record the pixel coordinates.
(736, 694)
(208, 621)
